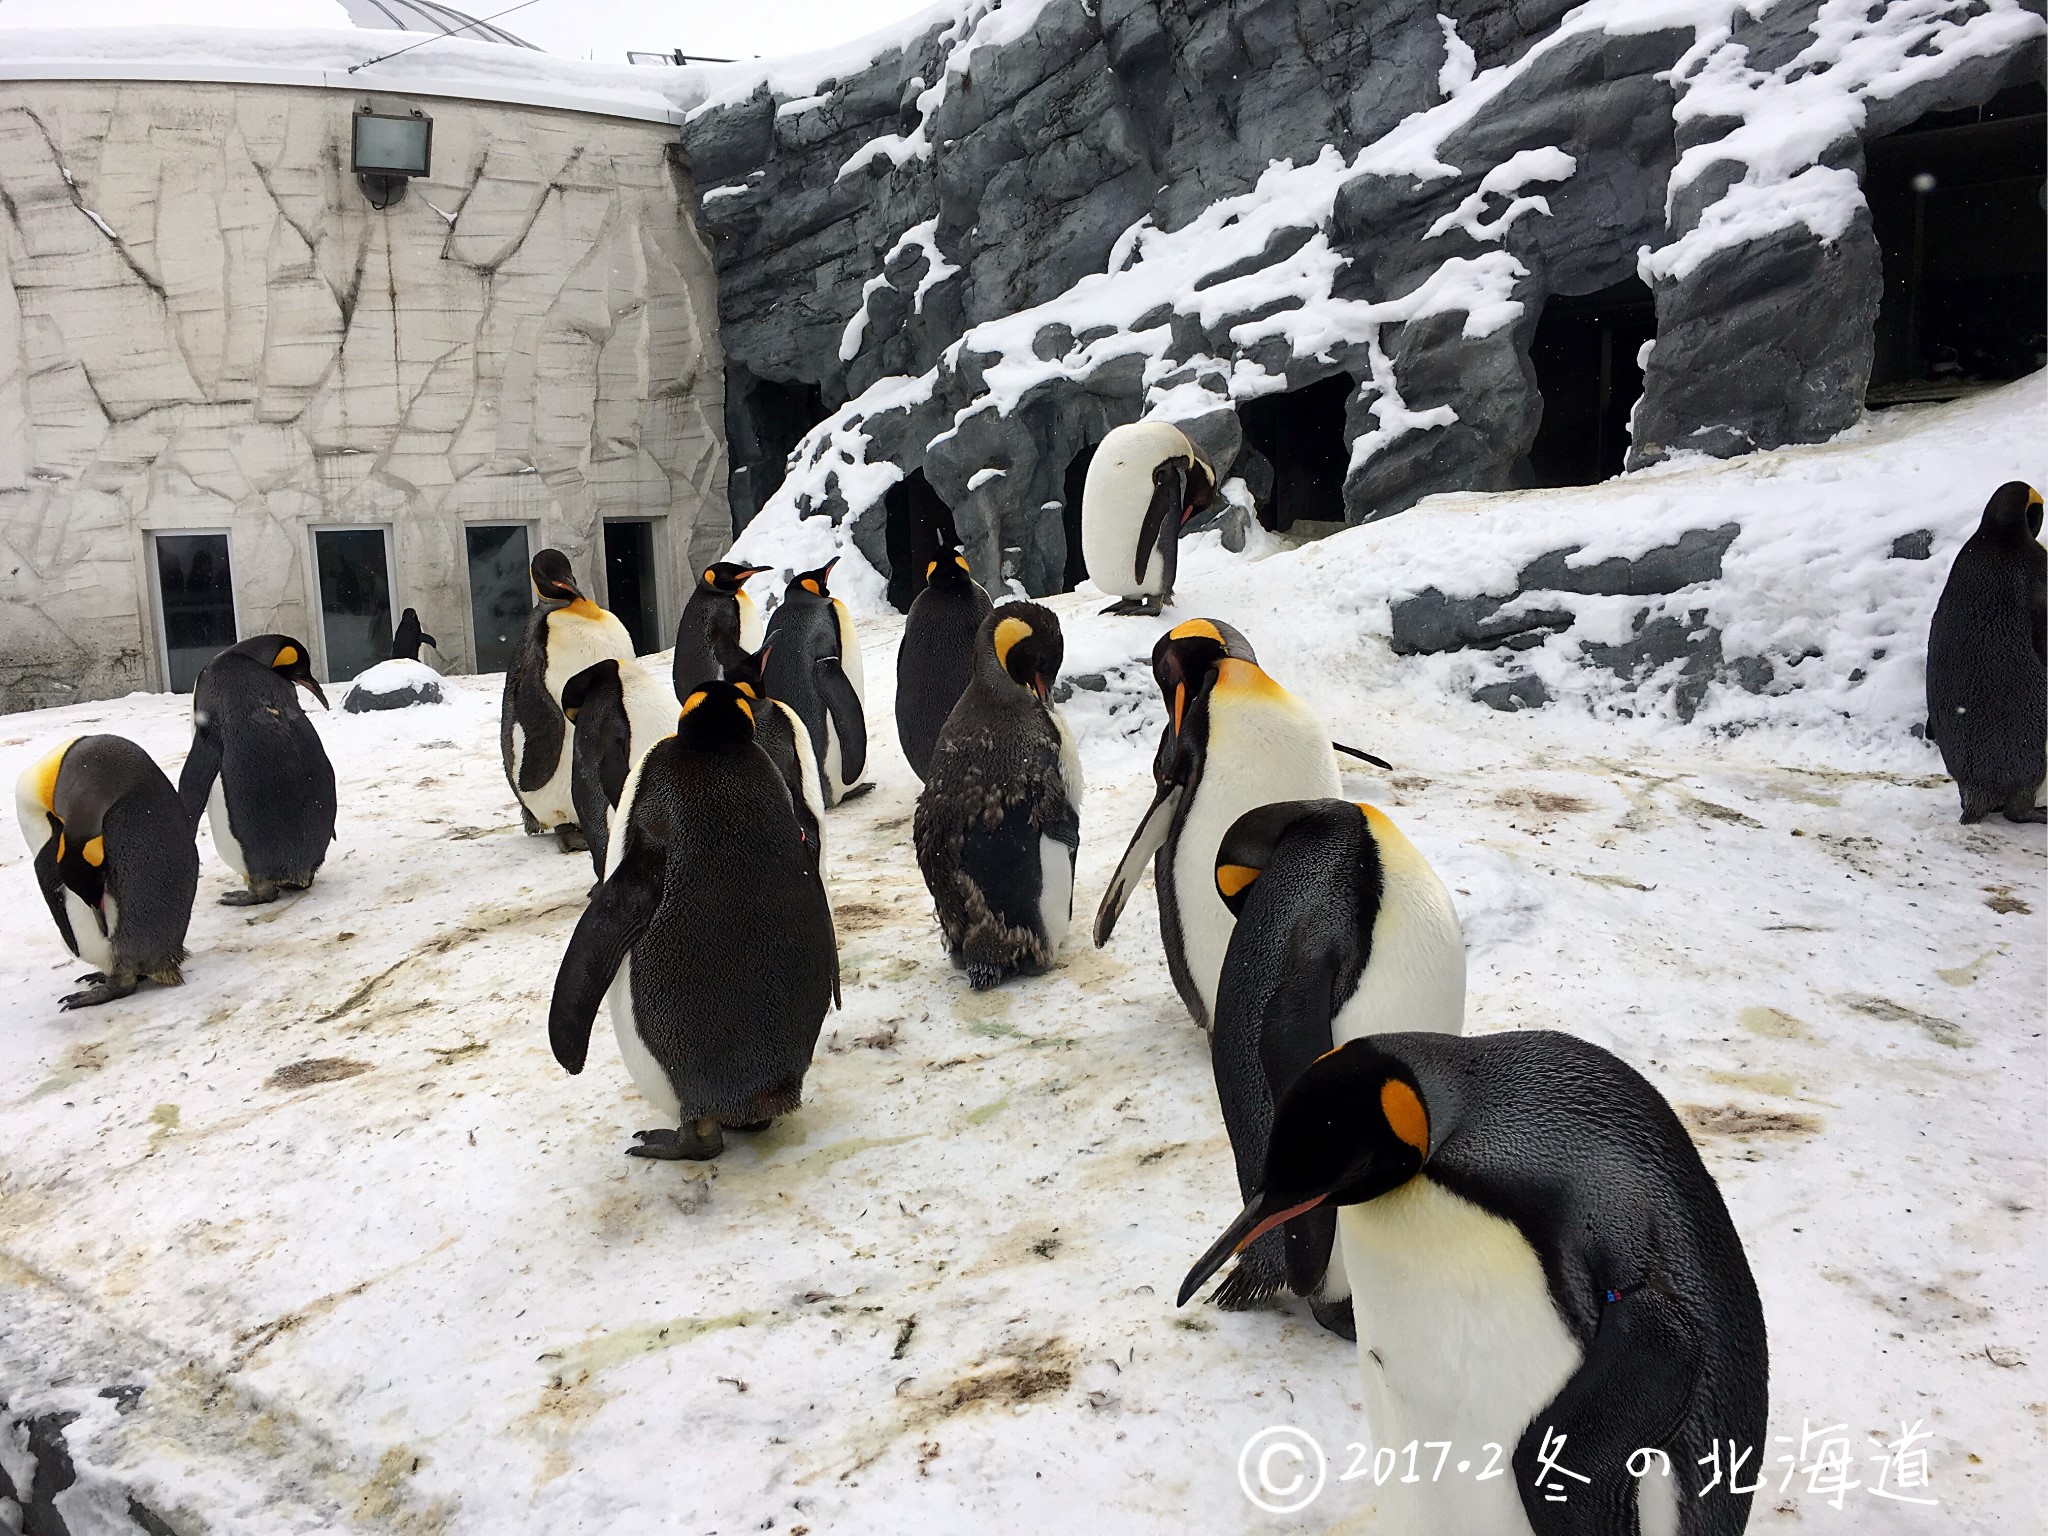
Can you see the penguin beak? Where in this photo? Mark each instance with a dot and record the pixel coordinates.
(1252, 1223)
(313, 688)
(1040, 687)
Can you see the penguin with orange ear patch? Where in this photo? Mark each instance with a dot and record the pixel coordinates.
(720, 623)
(1540, 1262)
(257, 768)
(811, 662)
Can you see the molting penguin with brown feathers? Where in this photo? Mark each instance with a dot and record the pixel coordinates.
(720, 623)
(257, 769)
(710, 936)
(998, 824)
(114, 856)
(1987, 662)
(565, 633)
(935, 657)
(1146, 481)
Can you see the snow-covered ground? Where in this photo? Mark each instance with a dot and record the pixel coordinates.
(379, 1265)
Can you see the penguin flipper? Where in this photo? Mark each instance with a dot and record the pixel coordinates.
(202, 767)
(52, 885)
(1363, 757)
(1145, 842)
(842, 704)
(604, 936)
(1633, 1388)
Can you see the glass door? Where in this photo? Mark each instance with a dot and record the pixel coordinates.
(500, 591)
(355, 598)
(629, 582)
(195, 594)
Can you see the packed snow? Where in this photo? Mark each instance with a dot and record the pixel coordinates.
(376, 1264)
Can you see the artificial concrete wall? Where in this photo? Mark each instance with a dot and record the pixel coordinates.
(205, 325)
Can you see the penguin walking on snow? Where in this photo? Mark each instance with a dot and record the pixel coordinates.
(713, 944)
(935, 657)
(565, 633)
(998, 825)
(1145, 482)
(1234, 739)
(1342, 930)
(257, 768)
(720, 623)
(810, 660)
(114, 856)
(618, 709)
(1541, 1262)
(1987, 662)
(403, 680)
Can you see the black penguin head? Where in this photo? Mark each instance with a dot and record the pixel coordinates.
(1248, 847)
(1024, 642)
(949, 572)
(284, 656)
(553, 578)
(746, 674)
(816, 583)
(80, 861)
(598, 678)
(719, 717)
(1351, 1128)
(1185, 664)
(2014, 511)
(1198, 488)
(728, 577)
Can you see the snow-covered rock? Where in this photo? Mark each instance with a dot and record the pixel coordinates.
(395, 684)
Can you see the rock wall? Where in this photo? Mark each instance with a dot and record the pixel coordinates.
(205, 325)
(1042, 218)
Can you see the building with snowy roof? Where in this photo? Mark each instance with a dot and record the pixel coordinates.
(244, 388)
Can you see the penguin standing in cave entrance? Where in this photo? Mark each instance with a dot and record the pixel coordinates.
(1145, 482)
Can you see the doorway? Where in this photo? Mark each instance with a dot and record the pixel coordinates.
(629, 581)
(1585, 352)
(918, 525)
(1071, 487)
(195, 602)
(1301, 434)
(354, 568)
(500, 591)
(765, 420)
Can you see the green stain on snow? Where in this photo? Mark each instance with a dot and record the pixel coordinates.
(839, 1151)
(987, 1112)
(623, 1344)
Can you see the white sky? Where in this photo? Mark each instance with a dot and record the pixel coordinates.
(605, 29)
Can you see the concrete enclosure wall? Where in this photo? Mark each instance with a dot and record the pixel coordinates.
(205, 325)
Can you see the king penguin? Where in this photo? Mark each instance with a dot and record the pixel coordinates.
(710, 939)
(935, 657)
(1987, 662)
(1145, 481)
(1342, 930)
(565, 633)
(998, 824)
(720, 622)
(810, 660)
(114, 856)
(780, 732)
(1234, 739)
(257, 768)
(618, 710)
(1543, 1265)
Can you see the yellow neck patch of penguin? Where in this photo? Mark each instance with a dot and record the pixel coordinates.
(287, 656)
(46, 777)
(1246, 678)
(1232, 878)
(584, 608)
(1397, 854)
(1007, 634)
(2033, 497)
(1195, 629)
(1405, 1115)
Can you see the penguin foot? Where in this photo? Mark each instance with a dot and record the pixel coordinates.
(855, 791)
(1147, 607)
(1335, 1316)
(981, 976)
(569, 838)
(105, 990)
(261, 894)
(2029, 813)
(91, 976)
(697, 1142)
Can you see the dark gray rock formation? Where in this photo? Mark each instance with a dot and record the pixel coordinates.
(977, 256)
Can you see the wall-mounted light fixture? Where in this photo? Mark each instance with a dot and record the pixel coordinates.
(389, 149)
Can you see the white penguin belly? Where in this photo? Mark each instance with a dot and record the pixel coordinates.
(835, 775)
(1415, 978)
(1055, 892)
(753, 623)
(1458, 1340)
(574, 642)
(554, 802)
(224, 840)
(93, 947)
(807, 776)
(646, 1072)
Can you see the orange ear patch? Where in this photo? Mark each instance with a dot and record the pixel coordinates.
(1405, 1115)
(94, 852)
(1232, 878)
(287, 656)
(693, 701)
(1196, 629)
(930, 566)
(810, 586)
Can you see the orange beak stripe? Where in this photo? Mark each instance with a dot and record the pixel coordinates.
(1273, 1221)
(1180, 701)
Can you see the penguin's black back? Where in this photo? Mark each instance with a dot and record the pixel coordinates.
(734, 973)
(1987, 687)
(601, 753)
(707, 638)
(409, 637)
(934, 660)
(152, 862)
(774, 735)
(274, 773)
(528, 702)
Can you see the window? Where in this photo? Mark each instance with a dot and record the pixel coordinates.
(500, 591)
(355, 598)
(629, 582)
(195, 593)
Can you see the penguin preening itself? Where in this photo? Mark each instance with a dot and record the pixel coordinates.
(998, 824)
(257, 768)
(810, 660)
(565, 633)
(618, 710)
(935, 657)
(1146, 481)
(1342, 930)
(1234, 739)
(1535, 1248)
(719, 623)
(709, 935)
(1987, 662)
(114, 856)
(403, 680)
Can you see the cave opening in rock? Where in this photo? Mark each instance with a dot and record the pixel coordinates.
(1956, 201)
(1070, 514)
(764, 420)
(1585, 352)
(919, 524)
(1300, 435)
